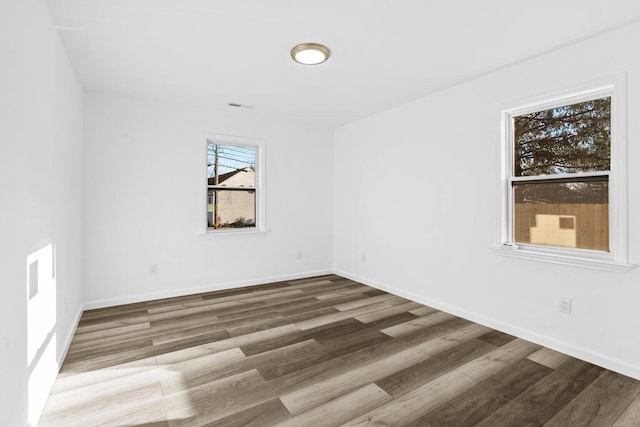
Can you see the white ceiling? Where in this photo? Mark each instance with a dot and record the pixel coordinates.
(385, 52)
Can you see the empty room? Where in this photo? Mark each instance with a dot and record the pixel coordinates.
(295, 213)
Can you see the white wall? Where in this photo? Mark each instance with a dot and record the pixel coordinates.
(41, 207)
(144, 201)
(417, 190)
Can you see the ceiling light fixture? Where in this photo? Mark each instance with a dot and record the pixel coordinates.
(310, 53)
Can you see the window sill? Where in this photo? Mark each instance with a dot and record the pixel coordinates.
(232, 233)
(574, 261)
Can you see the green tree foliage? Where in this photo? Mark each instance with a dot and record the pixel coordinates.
(569, 139)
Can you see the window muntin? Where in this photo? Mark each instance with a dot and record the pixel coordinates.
(232, 190)
(559, 175)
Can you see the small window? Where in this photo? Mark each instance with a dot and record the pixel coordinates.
(564, 192)
(233, 184)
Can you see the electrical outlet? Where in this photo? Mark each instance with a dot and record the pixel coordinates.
(299, 254)
(565, 305)
(153, 269)
(364, 258)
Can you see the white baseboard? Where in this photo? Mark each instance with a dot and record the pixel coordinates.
(69, 338)
(587, 355)
(110, 302)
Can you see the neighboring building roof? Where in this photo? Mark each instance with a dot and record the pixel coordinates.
(226, 176)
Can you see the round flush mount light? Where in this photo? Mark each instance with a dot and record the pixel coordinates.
(310, 53)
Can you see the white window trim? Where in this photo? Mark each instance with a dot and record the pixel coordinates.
(261, 211)
(616, 260)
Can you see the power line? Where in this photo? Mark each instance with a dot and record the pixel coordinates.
(210, 165)
(238, 155)
(235, 151)
(236, 160)
(235, 148)
(239, 159)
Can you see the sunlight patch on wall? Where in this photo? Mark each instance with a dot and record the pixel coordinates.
(41, 325)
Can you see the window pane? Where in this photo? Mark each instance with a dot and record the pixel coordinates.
(232, 208)
(568, 139)
(567, 214)
(231, 165)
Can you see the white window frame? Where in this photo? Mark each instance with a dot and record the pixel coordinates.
(616, 259)
(261, 220)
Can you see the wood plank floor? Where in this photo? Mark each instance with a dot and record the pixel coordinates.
(324, 351)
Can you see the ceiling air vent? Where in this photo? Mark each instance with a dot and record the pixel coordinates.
(236, 105)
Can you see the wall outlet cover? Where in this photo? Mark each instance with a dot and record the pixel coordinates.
(565, 305)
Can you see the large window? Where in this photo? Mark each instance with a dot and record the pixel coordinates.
(560, 180)
(563, 195)
(233, 184)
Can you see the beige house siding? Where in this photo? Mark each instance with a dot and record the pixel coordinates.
(235, 204)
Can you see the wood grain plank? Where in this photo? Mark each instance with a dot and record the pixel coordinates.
(111, 360)
(600, 404)
(251, 338)
(543, 400)
(336, 366)
(630, 416)
(168, 308)
(336, 317)
(270, 364)
(387, 312)
(342, 293)
(117, 323)
(423, 311)
(70, 381)
(495, 361)
(77, 414)
(411, 406)
(185, 319)
(230, 343)
(173, 335)
(474, 405)
(414, 376)
(550, 358)
(191, 341)
(231, 395)
(312, 303)
(390, 321)
(312, 281)
(265, 414)
(354, 341)
(279, 320)
(365, 301)
(291, 358)
(100, 349)
(497, 338)
(341, 409)
(201, 369)
(419, 323)
(117, 333)
(323, 391)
